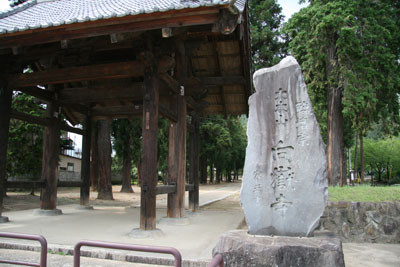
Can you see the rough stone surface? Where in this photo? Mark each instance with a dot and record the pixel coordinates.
(363, 221)
(241, 249)
(284, 190)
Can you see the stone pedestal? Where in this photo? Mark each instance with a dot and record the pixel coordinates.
(238, 248)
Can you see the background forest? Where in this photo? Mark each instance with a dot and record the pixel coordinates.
(349, 51)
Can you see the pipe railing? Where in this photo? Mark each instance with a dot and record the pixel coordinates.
(154, 249)
(43, 250)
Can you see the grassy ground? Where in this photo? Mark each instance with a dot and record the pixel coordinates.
(364, 193)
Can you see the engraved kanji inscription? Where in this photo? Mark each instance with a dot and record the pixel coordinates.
(281, 106)
(303, 109)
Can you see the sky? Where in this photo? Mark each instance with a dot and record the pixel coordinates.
(288, 8)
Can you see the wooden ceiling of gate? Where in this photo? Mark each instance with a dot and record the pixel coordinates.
(98, 67)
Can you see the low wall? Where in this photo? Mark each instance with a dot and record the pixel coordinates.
(363, 221)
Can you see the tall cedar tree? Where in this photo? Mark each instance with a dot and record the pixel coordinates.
(121, 131)
(267, 47)
(104, 160)
(349, 53)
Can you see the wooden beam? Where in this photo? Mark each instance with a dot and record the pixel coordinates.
(85, 162)
(189, 187)
(69, 184)
(42, 94)
(136, 23)
(5, 111)
(95, 94)
(117, 111)
(68, 128)
(42, 121)
(223, 80)
(149, 174)
(168, 113)
(29, 118)
(166, 189)
(170, 82)
(25, 184)
(76, 74)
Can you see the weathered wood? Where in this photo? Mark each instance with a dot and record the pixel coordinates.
(40, 184)
(25, 184)
(31, 119)
(94, 163)
(42, 121)
(95, 94)
(223, 80)
(85, 162)
(170, 82)
(128, 110)
(38, 93)
(169, 113)
(149, 147)
(70, 129)
(166, 189)
(245, 52)
(51, 151)
(194, 163)
(116, 25)
(189, 187)
(69, 184)
(5, 111)
(177, 142)
(76, 74)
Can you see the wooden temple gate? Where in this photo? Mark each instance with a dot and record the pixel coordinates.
(174, 59)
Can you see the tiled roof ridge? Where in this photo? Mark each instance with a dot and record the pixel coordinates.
(17, 8)
(47, 12)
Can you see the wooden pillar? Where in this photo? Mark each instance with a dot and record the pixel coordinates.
(51, 152)
(85, 163)
(5, 110)
(194, 163)
(149, 147)
(177, 161)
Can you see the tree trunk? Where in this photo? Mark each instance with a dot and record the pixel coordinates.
(362, 167)
(126, 172)
(104, 160)
(356, 156)
(211, 173)
(138, 172)
(94, 164)
(218, 175)
(335, 123)
(203, 169)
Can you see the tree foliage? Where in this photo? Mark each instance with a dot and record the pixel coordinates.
(223, 142)
(267, 45)
(24, 153)
(351, 46)
(382, 159)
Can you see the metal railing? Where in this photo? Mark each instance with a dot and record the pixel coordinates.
(154, 249)
(43, 250)
(217, 261)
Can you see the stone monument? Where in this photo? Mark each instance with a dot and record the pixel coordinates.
(284, 190)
